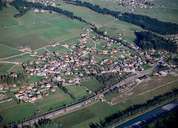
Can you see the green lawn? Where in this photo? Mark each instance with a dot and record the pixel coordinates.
(33, 79)
(6, 51)
(76, 118)
(5, 67)
(95, 112)
(53, 101)
(92, 84)
(10, 110)
(77, 91)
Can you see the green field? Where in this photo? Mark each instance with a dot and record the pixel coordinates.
(77, 91)
(11, 109)
(33, 79)
(163, 9)
(6, 51)
(113, 26)
(21, 58)
(92, 84)
(5, 67)
(35, 30)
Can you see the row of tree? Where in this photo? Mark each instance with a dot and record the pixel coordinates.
(145, 22)
(149, 40)
(2, 4)
(167, 121)
(12, 78)
(65, 90)
(41, 123)
(120, 115)
(175, 60)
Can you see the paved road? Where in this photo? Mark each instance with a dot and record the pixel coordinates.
(83, 104)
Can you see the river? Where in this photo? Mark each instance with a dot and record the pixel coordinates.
(149, 116)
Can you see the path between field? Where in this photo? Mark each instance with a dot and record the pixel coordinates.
(8, 62)
(6, 100)
(12, 68)
(44, 47)
(5, 58)
(157, 87)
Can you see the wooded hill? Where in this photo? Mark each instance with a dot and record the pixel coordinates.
(148, 40)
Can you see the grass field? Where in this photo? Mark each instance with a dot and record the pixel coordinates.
(10, 110)
(92, 84)
(149, 89)
(77, 91)
(33, 79)
(5, 67)
(163, 9)
(106, 22)
(35, 30)
(6, 51)
(21, 58)
(100, 110)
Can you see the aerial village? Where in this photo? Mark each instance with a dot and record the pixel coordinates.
(90, 55)
(128, 4)
(133, 4)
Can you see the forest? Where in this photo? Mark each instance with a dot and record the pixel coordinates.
(148, 40)
(168, 121)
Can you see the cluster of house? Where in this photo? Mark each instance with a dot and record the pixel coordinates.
(173, 38)
(132, 4)
(35, 91)
(80, 61)
(45, 2)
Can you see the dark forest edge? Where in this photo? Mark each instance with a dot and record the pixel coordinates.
(2, 4)
(168, 121)
(144, 22)
(148, 40)
(134, 109)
